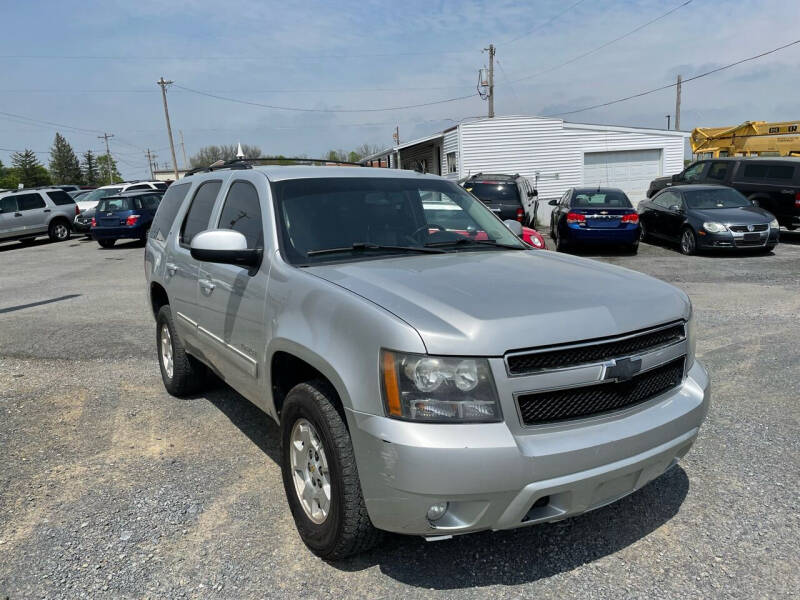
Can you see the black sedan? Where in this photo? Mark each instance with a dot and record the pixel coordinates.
(707, 216)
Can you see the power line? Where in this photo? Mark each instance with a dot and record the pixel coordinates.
(323, 110)
(671, 85)
(605, 45)
(546, 23)
(24, 118)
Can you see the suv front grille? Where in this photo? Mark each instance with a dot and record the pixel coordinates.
(528, 362)
(558, 405)
(743, 228)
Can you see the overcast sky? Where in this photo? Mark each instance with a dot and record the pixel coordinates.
(93, 66)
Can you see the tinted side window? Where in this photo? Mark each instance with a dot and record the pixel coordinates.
(30, 201)
(755, 171)
(200, 211)
(718, 171)
(60, 198)
(141, 186)
(150, 202)
(167, 209)
(780, 172)
(242, 213)
(8, 205)
(160, 186)
(694, 172)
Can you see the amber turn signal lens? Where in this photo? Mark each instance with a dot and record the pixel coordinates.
(391, 389)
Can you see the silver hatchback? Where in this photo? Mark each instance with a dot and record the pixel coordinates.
(429, 378)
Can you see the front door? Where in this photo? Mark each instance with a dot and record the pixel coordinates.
(181, 270)
(10, 218)
(672, 216)
(232, 298)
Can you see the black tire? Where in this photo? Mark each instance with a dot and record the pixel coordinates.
(688, 241)
(188, 374)
(769, 248)
(643, 235)
(107, 243)
(791, 227)
(346, 529)
(561, 243)
(633, 248)
(59, 230)
(145, 235)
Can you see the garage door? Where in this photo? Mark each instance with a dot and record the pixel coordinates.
(630, 170)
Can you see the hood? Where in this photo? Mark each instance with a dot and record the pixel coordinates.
(487, 303)
(744, 215)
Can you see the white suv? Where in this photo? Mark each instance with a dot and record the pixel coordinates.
(26, 214)
(91, 199)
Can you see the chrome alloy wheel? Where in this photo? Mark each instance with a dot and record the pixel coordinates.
(166, 350)
(61, 231)
(687, 242)
(310, 471)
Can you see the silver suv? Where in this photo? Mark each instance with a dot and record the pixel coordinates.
(26, 214)
(429, 378)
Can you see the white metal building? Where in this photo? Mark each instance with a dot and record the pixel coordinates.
(553, 154)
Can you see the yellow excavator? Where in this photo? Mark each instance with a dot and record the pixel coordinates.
(751, 138)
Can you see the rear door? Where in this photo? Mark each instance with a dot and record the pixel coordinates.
(181, 270)
(231, 324)
(10, 223)
(34, 212)
(501, 196)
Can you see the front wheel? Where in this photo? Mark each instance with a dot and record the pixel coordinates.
(688, 241)
(643, 235)
(320, 475)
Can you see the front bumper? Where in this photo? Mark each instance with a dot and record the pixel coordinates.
(502, 476)
(727, 239)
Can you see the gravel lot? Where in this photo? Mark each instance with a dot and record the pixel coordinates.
(109, 487)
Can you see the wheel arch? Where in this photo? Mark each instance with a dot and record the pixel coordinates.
(158, 297)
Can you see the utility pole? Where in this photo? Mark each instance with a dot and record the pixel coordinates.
(183, 150)
(105, 137)
(667, 121)
(678, 105)
(491, 80)
(164, 83)
(150, 164)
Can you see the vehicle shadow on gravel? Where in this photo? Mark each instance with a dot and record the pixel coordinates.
(531, 553)
(482, 559)
(790, 237)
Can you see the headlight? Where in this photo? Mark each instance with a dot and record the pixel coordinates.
(437, 389)
(774, 224)
(691, 339)
(536, 242)
(714, 227)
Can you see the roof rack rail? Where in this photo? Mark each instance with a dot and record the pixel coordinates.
(245, 163)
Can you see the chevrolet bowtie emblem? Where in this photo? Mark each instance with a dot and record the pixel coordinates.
(603, 212)
(622, 369)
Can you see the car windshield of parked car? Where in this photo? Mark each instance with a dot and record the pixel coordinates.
(721, 198)
(494, 192)
(352, 218)
(99, 193)
(609, 199)
(114, 204)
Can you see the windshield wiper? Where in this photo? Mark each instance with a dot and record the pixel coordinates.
(361, 246)
(466, 240)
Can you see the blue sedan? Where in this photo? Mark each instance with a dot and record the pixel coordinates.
(126, 216)
(596, 216)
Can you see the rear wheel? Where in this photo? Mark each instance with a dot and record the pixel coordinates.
(106, 243)
(59, 230)
(561, 243)
(181, 373)
(320, 475)
(633, 248)
(688, 241)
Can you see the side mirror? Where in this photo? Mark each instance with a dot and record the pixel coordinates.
(675, 208)
(224, 246)
(514, 226)
(533, 193)
(676, 178)
(553, 202)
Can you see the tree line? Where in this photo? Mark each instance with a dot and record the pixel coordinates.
(64, 167)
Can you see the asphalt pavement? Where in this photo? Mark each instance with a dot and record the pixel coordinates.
(109, 487)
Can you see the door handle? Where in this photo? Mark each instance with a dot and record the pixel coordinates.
(171, 268)
(46, 210)
(17, 214)
(207, 285)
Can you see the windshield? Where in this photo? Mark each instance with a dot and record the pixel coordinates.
(721, 198)
(114, 204)
(608, 199)
(99, 193)
(494, 192)
(389, 216)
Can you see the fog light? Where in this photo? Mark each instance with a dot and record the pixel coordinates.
(436, 511)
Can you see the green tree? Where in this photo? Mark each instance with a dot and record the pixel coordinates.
(107, 167)
(29, 170)
(91, 173)
(211, 154)
(64, 165)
